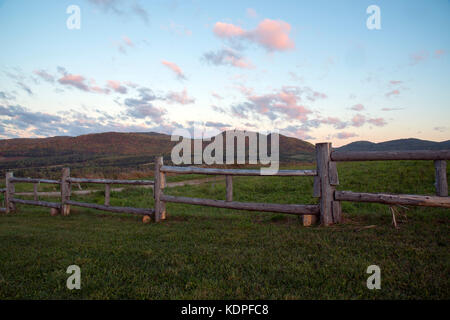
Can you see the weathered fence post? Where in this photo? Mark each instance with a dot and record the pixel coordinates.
(440, 167)
(9, 193)
(330, 210)
(107, 194)
(65, 192)
(309, 219)
(35, 192)
(160, 210)
(229, 186)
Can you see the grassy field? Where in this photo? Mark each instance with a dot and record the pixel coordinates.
(208, 253)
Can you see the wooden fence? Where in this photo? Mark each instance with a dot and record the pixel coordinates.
(326, 178)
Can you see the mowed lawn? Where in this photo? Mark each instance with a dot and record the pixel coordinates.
(209, 253)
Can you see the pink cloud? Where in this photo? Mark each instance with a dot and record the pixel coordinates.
(283, 102)
(345, 135)
(336, 122)
(438, 53)
(115, 85)
(175, 68)
(216, 95)
(358, 120)
(395, 82)
(379, 122)
(418, 57)
(227, 30)
(392, 93)
(74, 80)
(179, 97)
(358, 107)
(391, 109)
(128, 41)
(273, 35)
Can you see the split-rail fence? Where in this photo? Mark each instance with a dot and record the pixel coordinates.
(328, 210)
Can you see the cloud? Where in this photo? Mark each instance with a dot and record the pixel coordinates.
(219, 125)
(281, 103)
(61, 70)
(142, 107)
(358, 107)
(117, 7)
(6, 96)
(116, 86)
(345, 135)
(227, 30)
(395, 82)
(391, 109)
(358, 120)
(128, 41)
(44, 75)
(440, 129)
(179, 97)
(140, 12)
(22, 122)
(273, 35)
(216, 95)
(177, 29)
(296, 131)
(25, 87)
(379, 122)
(439, 53)
(336, 122)
(418, 57)
(251, 13)
(74, 80)
(392, 93)
(175, 68)
(227, 57)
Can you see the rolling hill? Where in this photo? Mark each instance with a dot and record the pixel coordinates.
(393, 145)
(109, 152)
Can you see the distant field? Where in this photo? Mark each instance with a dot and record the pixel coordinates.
(209, 253)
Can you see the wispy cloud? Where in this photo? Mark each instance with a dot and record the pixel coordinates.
(44, 75)
(122, 8)
(175, 68)
(345, 135)
(227, 57)
(179, 97)
(358, 107)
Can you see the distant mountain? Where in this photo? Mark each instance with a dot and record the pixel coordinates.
(393, 145)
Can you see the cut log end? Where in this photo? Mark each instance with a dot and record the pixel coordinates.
(146, 219)
(309, 220)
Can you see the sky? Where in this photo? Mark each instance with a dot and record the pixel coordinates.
(313, 70)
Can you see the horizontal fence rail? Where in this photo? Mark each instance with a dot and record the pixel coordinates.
(390, 155)
(401, 199)
(47, 204)
(235, 172)
(295, 209)
(137, 211)
(109, 181)
(31, 180)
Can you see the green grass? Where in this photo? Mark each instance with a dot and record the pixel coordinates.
(209, 253)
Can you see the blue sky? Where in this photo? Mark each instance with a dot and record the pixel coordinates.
(310, 69)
